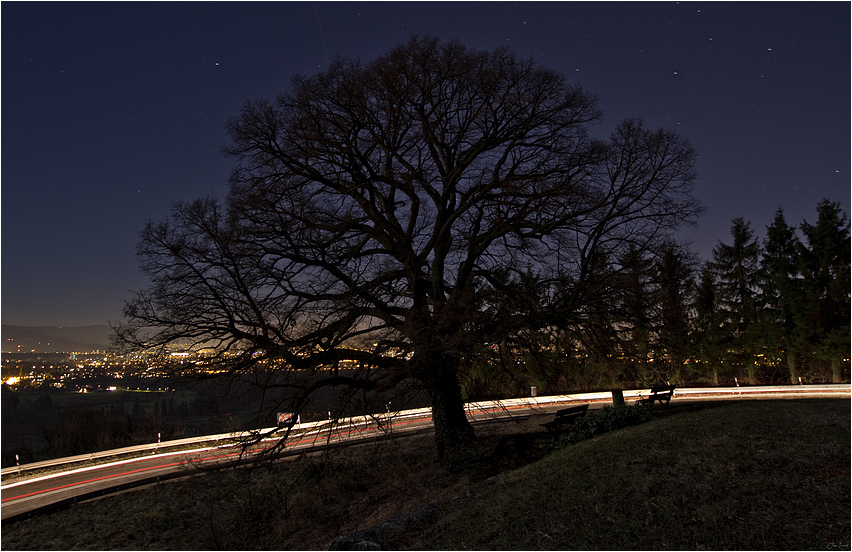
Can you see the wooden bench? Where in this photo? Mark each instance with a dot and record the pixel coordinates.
(661, 393)
(566, 416)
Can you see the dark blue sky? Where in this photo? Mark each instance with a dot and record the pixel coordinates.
(114, 111)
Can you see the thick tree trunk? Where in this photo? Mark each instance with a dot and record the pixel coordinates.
(453, 432)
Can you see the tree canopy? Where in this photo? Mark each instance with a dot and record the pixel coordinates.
(399, 213)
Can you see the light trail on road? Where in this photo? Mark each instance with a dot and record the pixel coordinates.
(50, 489)
(33, 494)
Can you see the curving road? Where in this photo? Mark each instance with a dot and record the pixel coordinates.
(32, 493)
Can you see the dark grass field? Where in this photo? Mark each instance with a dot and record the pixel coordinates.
(768, 474)
(751, 475)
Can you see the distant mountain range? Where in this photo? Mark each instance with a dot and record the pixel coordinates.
(54, 339)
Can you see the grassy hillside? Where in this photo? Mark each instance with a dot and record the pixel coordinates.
(752, 475)
(737, 475)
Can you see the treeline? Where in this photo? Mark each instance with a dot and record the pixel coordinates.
(764, 309)
(40, 429)
(783, 300)
(43, 423)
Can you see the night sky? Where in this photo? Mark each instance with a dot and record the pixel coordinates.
(113, 111)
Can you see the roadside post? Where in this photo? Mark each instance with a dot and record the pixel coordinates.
(387, 427)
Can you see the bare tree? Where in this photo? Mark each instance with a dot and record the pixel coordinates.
(424, 203)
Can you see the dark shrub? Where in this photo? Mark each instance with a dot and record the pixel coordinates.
(610, 418)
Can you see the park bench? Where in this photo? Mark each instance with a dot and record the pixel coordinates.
(659, 393)
(565, 416)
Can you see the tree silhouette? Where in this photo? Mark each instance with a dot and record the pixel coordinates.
(823, 319)
(707, 339)
(736, 268)
(675, 272)
(397, 214)
(780, 292)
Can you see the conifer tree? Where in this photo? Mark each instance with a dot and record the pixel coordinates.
(780, 292)
(736, 268)
(706, 335)
(674, 271)
(823, 320)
